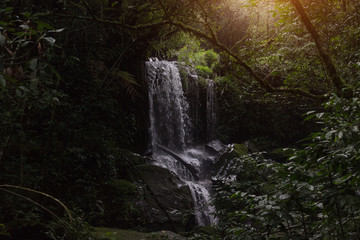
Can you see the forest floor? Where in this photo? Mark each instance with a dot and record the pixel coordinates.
(119, 234)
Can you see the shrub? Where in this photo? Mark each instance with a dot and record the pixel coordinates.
(314, 195)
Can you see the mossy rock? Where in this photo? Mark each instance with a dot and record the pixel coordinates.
(240, 149)
(122, 186)
(205, 232)
(224, 161)
(236, 150)
(119, 234)
(134, 158)
(166, 235)
(183, 71)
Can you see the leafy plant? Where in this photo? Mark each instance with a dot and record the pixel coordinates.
(77, 229)
(314, 195)
(56, 114)
(204, 61)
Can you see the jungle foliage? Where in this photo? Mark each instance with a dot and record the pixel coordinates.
(73, 98)
(313, 195)
(70, 103)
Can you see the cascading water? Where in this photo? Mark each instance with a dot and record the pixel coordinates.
(171, 132)
(167, 106)
(210, 109)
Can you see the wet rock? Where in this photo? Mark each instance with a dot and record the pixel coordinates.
(167, 201)
(215, 147)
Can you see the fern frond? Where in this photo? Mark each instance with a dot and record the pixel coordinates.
(126, 77)
(127, 81)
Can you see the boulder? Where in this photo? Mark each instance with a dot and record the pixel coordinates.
(215, 147)
(222, 167)
(167, 203)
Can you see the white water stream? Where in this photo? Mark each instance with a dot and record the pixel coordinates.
(171, 132)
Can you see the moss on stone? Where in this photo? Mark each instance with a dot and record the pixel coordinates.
(119, 234)
(240, 149)
(134, 158)
(226, 158)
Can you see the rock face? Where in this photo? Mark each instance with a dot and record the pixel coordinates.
(222, 167)
(215, 147)
(167, 201)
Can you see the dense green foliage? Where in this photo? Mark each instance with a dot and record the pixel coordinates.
(72, 99)
(68, 105)
(313, 195)
(204, 61)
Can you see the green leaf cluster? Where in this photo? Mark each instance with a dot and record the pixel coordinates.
(313, 195)
(204, 61)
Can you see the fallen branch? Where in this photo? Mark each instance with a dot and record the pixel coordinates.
(2, 187)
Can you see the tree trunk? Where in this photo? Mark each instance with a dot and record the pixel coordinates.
(325, 57)
(344, 5)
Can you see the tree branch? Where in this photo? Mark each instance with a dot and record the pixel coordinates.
(117, 23)
(260, 80)
(211, 39)
(325, 57)
(41, 193)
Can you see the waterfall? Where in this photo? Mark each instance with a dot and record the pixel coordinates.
(171, 132)
(167, 106)
(210, 109)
